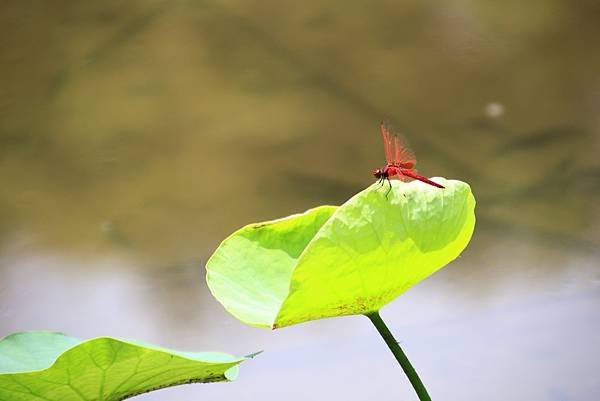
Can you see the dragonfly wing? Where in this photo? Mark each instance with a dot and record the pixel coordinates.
(402, 177)
(400, 153)
(413, 174)
(405, 177)
(388, 144)
(404, 156)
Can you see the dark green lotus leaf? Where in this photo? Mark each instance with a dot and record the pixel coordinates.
(47, 366)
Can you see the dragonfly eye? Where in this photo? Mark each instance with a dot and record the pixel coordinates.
(377, 173)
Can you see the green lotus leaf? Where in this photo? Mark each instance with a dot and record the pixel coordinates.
(333, 261)
(47, 366)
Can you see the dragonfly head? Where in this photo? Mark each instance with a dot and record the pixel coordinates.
(378, 173)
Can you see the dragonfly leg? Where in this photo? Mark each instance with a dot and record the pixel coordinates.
(389, 189)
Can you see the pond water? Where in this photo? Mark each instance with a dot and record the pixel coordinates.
(134, 136)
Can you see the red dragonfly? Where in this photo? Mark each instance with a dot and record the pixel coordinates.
(400, 160)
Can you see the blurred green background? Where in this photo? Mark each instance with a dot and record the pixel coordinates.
(136, 135)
